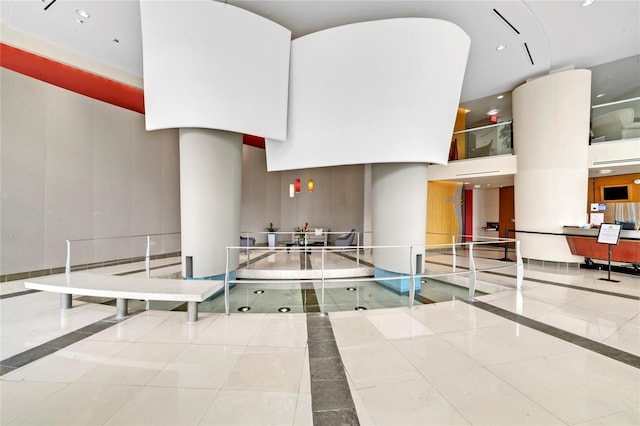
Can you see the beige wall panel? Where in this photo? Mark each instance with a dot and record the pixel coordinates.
(76, 168)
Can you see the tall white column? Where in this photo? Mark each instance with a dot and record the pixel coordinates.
(399, 211)
(210, 194)
(551, 139)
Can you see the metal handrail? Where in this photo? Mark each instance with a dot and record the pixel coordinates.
(67, 267)
(412, 274)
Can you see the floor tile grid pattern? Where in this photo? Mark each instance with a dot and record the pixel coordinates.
(501, 368)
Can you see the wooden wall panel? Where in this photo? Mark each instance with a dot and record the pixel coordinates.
(507, 212)
(600, 182)
(441, 213)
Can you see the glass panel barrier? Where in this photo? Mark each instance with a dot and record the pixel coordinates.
(495, 139)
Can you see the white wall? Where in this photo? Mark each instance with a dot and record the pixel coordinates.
(486, 208)
(337, 201)
(76, 168)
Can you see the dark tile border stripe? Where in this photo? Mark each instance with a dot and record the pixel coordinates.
(575, 287)
(20, 360)
(309, 297)
(583, 342)
(18, 293)
(351, 257)
(255, 259)
(83, 267)
(331, 400)
(135, 271)
(305, 260)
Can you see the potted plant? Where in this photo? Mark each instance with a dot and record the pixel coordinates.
(301, 233)
(271, 236)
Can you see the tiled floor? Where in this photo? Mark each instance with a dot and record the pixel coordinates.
(454, 362)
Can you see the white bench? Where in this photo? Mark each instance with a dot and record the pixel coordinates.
(124, 288)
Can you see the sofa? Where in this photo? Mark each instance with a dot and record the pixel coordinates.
(615, 125)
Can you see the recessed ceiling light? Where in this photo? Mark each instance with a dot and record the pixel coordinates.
(586, 3)
(599, 95)
(501, 47)
(82, 13)
(477, 186)
(79, 21)
(493, 112)
(500, 97)
(605, 171)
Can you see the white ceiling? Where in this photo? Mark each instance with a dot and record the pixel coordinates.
(558, 34)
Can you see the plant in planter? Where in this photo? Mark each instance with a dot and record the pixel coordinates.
(271, 237)
(301, 233)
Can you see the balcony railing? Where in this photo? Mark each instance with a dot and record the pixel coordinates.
(495, 139)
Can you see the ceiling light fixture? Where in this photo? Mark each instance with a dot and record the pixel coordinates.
(605, 171)
(599, 95)
(82, 13)
(501, 47)
(493, 112)
(500, 97)
(586, 3)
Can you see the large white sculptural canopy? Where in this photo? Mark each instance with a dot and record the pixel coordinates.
(373, 92)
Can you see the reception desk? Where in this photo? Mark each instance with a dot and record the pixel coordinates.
(583, 242)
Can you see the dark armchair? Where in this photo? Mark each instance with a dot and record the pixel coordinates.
(247, 242)
(346, 240)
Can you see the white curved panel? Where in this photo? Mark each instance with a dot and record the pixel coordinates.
(212, 65)
(373, 92)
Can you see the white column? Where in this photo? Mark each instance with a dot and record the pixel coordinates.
(551, 138)
(210, 194)
(399, 210)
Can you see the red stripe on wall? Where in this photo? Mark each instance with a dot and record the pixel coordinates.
(73, 79)
(256, 141)
(83, 82)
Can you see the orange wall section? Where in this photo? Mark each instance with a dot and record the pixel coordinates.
(460, 139)
(441, 212)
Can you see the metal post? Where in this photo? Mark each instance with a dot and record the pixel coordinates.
(67, 267)
(322, 312)
(519, 267)
(192, 312)
(322, 305)
(357, 249)
(147, 260)
(453, 253)
(472, 273)
(122, 308)
(247, 251)
(226, 286)
(65, 301)
(506, 247)
(412, 284)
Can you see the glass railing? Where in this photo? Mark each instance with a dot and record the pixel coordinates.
(88, 253)
(615, 121)
(328, 278)
(495, 139)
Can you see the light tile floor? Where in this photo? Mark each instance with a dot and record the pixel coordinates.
(444, 363)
